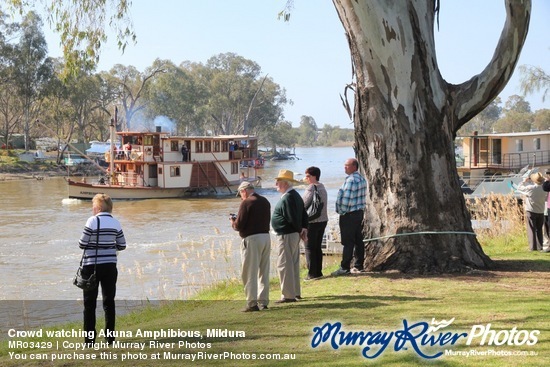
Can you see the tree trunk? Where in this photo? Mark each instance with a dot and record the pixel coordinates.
(406, 117)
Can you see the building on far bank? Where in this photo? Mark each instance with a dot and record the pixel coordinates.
(503, 154)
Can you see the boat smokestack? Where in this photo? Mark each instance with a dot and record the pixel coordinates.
(158, 129)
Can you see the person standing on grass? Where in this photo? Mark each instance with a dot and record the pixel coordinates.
(316, 227)
(534, 202)
(252, 222)
(290, 222)
(100, 247)
(350, 205)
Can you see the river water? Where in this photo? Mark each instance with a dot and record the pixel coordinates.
(174, 246)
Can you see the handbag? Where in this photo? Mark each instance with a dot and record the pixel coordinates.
(89, 283)
(315, 208)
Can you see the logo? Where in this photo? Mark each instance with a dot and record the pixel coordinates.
(428, 341)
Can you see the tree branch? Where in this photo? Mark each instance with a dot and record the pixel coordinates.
(478, 92)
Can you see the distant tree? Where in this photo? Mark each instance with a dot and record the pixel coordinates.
(518, 104)
(132, 86)
(307, 131)
(175, 94)
(514, 121)
(534, 79)
(240, 99)
(280, 135)
(83, 27)
(517, 116)
(57, 117)
(325, 135)
(541, 120)
(484, 121)
(10, 107)
(31, 71)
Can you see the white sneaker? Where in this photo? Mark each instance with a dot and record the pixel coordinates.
(356, 271)
(339, 272)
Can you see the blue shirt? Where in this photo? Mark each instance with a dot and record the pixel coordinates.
(352, 194)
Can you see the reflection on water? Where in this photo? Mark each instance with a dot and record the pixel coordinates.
(175, 246)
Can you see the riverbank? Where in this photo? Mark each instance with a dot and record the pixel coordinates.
(503, 310)
(12, 168)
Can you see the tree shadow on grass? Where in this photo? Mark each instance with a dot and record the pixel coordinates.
(541, 265)
(342, 302)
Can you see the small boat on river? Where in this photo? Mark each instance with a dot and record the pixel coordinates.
(153, 165)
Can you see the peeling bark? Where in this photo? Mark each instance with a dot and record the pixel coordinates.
(406, 117)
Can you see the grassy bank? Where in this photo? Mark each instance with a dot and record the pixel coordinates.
(513, 295)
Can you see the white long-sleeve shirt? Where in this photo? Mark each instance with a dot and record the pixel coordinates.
(534, 197)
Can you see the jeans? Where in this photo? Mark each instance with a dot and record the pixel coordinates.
(106, 276)
(313, 249)
(351, 235)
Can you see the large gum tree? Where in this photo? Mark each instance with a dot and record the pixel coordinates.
(406, 117)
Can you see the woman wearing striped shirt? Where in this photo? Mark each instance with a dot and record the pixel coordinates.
(101, 250)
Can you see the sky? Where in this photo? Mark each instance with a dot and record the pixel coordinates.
(309, 55)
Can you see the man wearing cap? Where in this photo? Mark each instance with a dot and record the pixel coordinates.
(252, 222)
(350, 204)
(290, 222)
(534, 202)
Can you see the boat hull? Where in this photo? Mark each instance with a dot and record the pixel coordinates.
(86, 191)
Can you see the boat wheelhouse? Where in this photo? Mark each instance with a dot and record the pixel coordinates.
(159, 165)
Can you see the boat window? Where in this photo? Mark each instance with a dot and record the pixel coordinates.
(519, 145)
(207, 146)
(153, 172)
(148, 140)
(225, 146)
(174, 146)
(198, 146)
(175, 171)
(536, 141)
(234, 168)
(216, 146)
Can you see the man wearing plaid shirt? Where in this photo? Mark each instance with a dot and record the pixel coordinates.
(350, 204)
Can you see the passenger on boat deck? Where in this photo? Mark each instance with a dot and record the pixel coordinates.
(128, 150)
(184, 153)
(534, 202)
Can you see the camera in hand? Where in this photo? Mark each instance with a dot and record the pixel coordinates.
(232, 216)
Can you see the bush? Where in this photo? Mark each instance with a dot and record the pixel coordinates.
(497, 216)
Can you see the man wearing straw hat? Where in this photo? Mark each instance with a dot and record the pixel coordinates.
(534, 202)
(252, 222)
(290, 222)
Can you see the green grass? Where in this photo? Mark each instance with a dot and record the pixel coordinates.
(515, 294)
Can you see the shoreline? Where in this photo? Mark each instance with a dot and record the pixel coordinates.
(36, 174)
